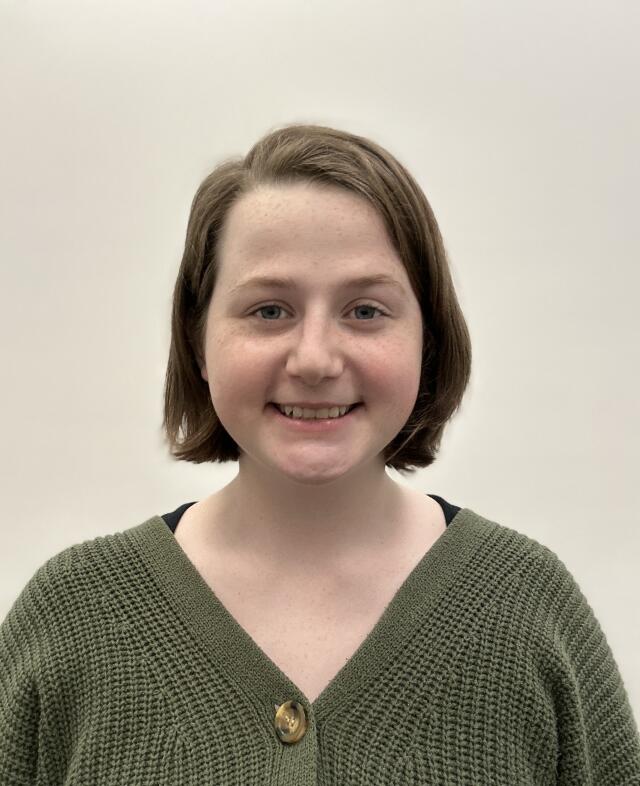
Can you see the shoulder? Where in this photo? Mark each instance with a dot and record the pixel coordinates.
(523, 570)
(518, 591)
(65, 632)
(505, 541)
(73, 587)
(86, 560)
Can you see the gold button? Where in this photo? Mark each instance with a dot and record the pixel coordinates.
(290, 721)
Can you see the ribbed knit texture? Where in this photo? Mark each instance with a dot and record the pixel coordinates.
(119, 666)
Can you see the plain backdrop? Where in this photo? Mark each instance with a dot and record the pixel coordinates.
(520, 120)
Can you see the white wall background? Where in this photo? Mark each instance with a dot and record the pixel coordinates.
(520, 121)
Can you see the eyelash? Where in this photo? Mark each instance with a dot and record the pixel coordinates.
(359, 305)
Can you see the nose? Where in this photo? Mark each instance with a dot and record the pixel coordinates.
(316, 349)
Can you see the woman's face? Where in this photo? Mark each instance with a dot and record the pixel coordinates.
(319, 339)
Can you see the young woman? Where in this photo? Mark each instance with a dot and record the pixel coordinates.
(313, 622)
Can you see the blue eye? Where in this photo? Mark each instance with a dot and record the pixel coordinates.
(360, 305)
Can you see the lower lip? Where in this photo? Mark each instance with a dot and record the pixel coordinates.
(315, 426)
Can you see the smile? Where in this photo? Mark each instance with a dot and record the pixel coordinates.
(316, 425)
(303, 412)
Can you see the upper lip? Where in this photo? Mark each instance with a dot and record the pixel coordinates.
(314, 405)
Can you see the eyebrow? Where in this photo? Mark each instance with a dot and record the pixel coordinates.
(286, 282)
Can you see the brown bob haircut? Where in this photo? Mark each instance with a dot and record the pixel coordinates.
(321, 155)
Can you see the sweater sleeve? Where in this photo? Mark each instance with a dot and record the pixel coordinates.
(598, 740)
(19, 697)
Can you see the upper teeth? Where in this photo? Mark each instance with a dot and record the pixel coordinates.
(299, 412)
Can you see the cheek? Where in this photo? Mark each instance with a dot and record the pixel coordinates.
(237, 371)
(392, 381)
(396, 364)
(404, 387)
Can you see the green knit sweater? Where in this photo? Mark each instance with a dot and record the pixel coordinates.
(119, 666)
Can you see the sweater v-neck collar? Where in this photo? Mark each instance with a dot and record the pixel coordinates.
(228, 644)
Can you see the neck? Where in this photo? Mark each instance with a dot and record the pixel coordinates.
(305, 528)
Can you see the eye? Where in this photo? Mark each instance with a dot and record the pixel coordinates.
(360, 305)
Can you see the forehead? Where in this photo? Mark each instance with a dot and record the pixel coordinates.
(324, 222)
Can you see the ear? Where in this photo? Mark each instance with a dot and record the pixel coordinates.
(203, 373)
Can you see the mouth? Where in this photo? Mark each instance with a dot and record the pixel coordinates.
(316, 424)
(349, 409)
